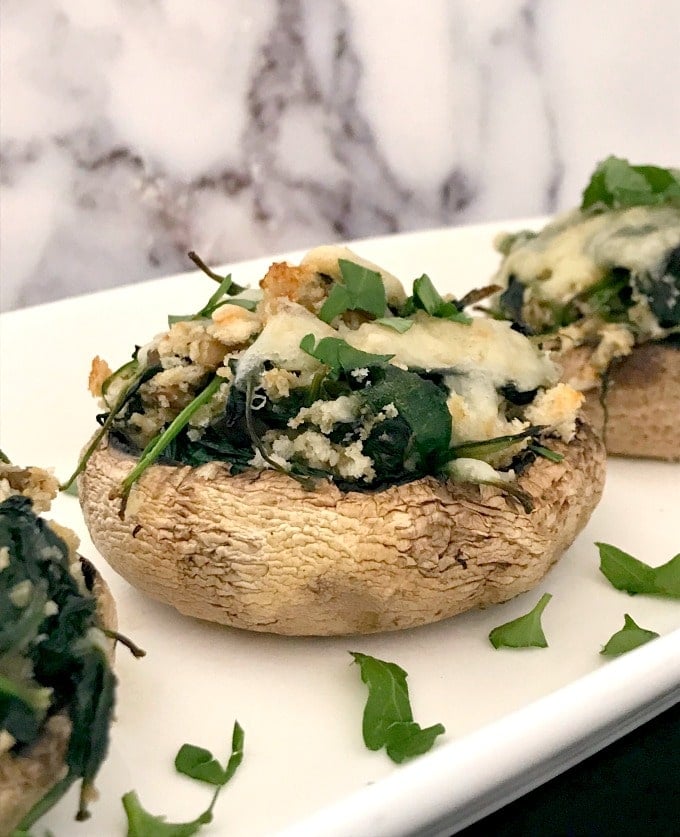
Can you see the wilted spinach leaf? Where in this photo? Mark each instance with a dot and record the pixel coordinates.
(512, 300)
(663, 292)
(420, 402)
(70, 672)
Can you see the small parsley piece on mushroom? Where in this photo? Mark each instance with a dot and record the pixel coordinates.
(616, 184)
(427, 298)
(361, 290)
(388, 717)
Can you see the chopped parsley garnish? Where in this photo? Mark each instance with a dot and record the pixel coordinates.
(400, 324)
(616, 184)
(160, 442)
(632, 576)
(196, 763)
(361, 290)
(427, 298)
(338, 355)
(629, 637)
(388, 717)
(525, 631)
(226, 287)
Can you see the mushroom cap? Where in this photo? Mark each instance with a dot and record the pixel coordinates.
(26, 778)
(258, 551)
(637, 412)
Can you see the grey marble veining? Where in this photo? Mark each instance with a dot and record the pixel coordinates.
(132, 132)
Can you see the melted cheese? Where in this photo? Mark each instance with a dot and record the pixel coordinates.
(475, 408)
(279, 342)
(576, 250)
(325, 260)
(487, 348)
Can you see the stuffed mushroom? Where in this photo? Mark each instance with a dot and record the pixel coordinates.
(331, 456)
(57, 686)
(601, 286)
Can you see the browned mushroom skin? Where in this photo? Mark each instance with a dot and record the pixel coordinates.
(26, 778)
(258, 551)
(642, 399)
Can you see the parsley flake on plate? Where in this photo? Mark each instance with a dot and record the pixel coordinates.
(629, 637)
(388, 718)
(632, 576)
(525, 631)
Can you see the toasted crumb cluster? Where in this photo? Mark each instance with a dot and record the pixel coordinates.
(39, 485)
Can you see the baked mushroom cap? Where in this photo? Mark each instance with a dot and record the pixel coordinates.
(25, 778)
(636, 406)
(258, 551)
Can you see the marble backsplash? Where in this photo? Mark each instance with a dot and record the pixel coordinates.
(135, 130)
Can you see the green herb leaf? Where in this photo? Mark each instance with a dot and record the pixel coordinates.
(231, 287)
(388, 718)
(158, 444)
(632, 576)
(339, 355)
(525, 631)
(485, 447)
(248, 304)
(405, 740)
(363, 290)
(616, 184)
(225, 287)
(198, 763)
(143, 824)
(546, 453)
(629, 637)
(426, 297)
(400, 324)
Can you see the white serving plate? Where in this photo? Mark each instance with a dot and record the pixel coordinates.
(513, 718)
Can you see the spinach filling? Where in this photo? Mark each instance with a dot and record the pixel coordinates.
(49, 661)
(615, 185)
(610, 300)
(394, 425)
(403, 424)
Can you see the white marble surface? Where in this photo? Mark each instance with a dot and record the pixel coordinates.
(134, 130)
